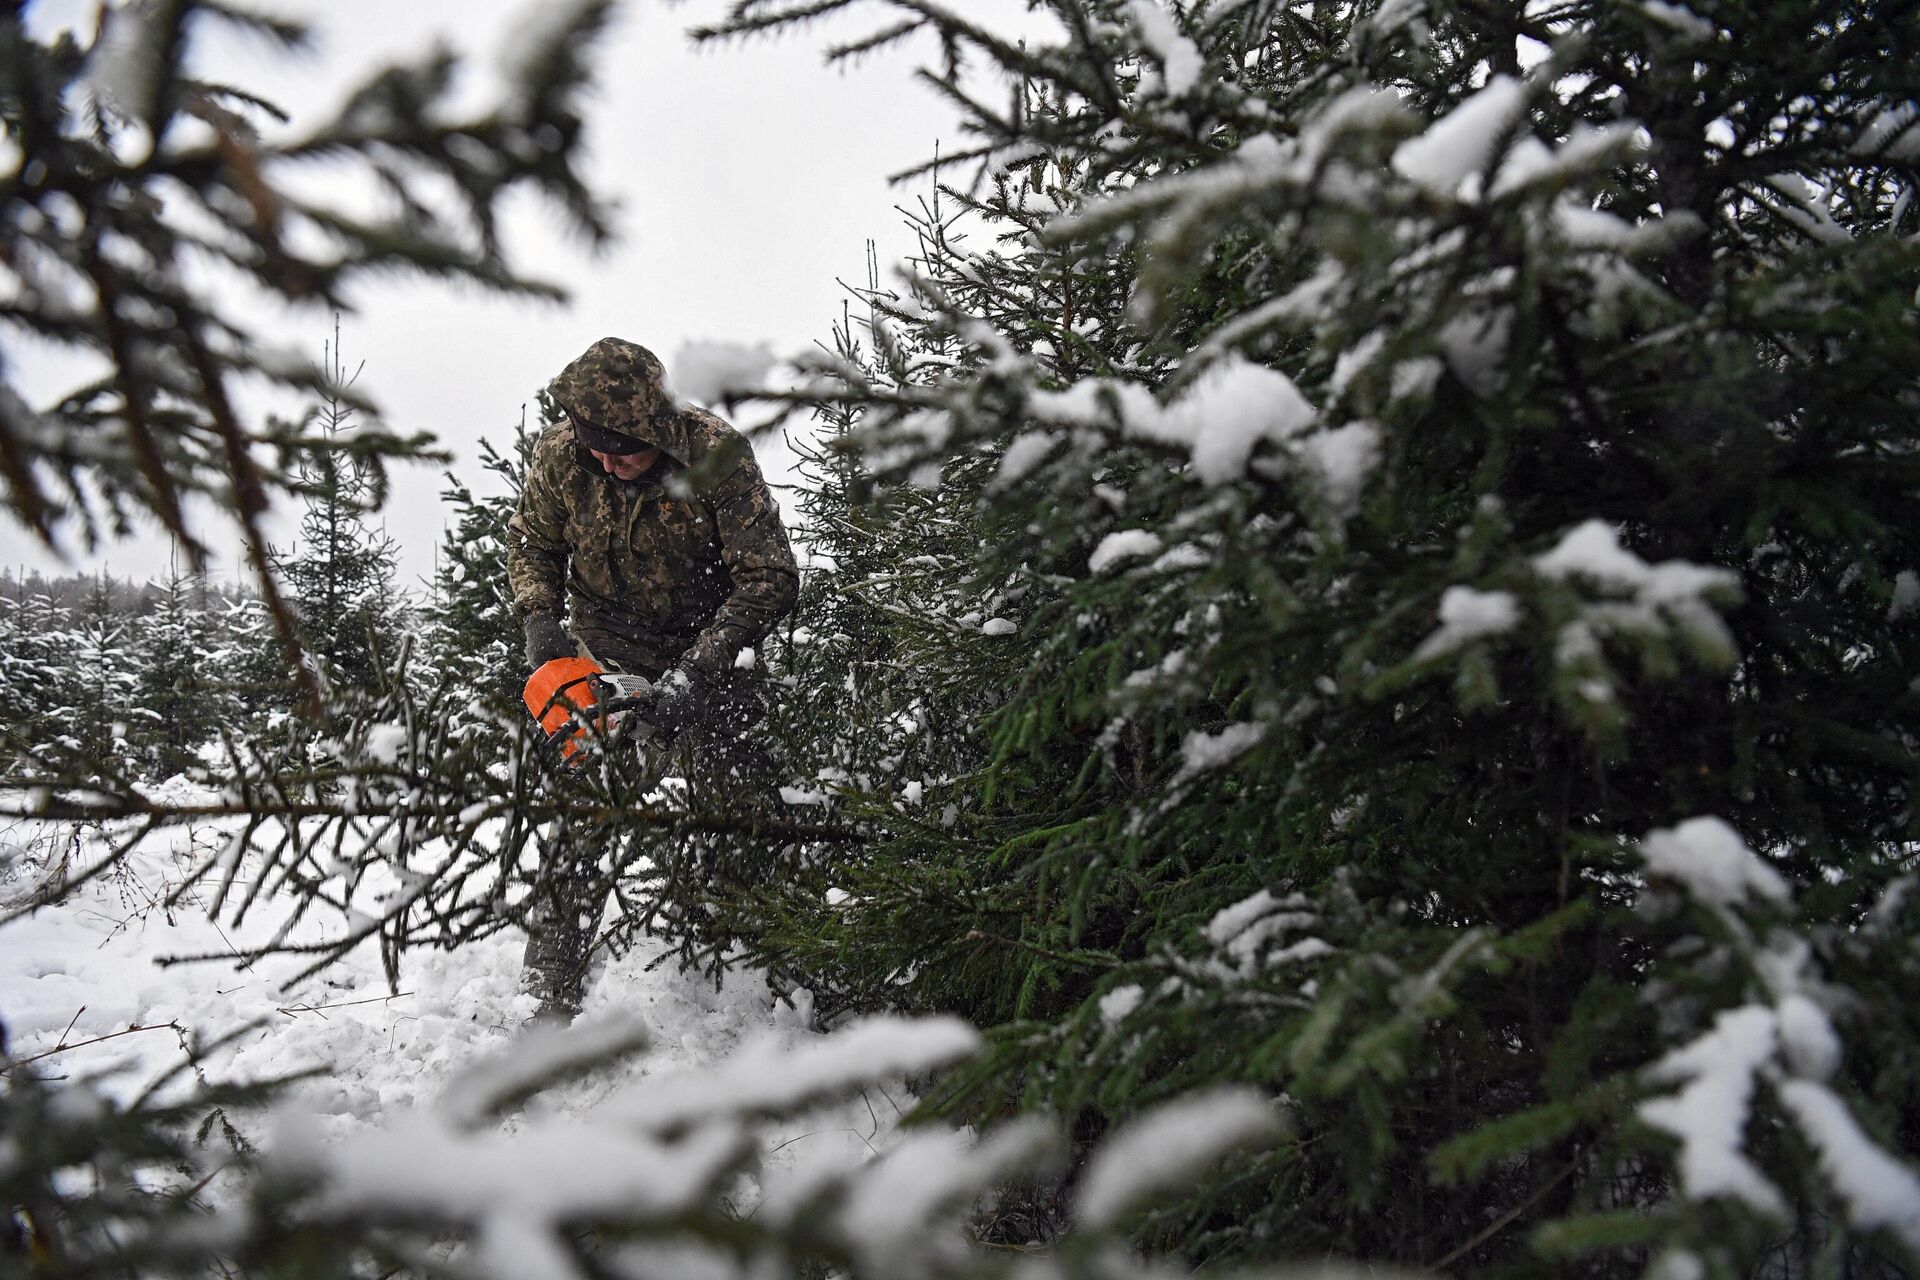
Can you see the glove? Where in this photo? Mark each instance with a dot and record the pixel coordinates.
(675, 703)
(546, 639)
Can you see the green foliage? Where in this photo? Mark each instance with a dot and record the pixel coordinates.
(1425, 452)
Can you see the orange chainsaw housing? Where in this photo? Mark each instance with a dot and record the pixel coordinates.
(556, 693)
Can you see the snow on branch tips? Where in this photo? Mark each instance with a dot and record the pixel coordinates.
(767, 1077)
(1780, 1037)
(1220, 419)
(1181, 63)
(1709, 1115)
(1168, 1147)
(1460, 144)
(1467, 615)
(1643, 598)
(1708, 857)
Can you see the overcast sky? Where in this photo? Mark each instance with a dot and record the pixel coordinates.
(748, 177)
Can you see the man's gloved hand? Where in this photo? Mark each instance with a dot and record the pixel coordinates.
(546, 639)
(675, 703)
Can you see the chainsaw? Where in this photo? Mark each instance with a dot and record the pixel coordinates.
(581, 706)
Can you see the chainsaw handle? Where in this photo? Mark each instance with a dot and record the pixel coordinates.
(621, 705)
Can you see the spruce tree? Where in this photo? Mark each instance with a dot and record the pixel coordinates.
(1449, 469)
(32, 671)
(339, 573)
(471, 632)
(182, 696)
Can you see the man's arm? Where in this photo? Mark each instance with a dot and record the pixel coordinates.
(536, 541)
(753, 545)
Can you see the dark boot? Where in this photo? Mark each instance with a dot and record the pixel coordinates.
(559, 945)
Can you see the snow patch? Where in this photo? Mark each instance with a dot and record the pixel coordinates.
(1906, 595)
(1201, 751)
(1345, 457)
(1025, 453)
(1709, 1115)
(1467, 615)
(770, 1075)
(1168, 1146)
(1221, 418)
(1121, 545)
(1708, 857)
(1119, 1002)
(1893, 134)
(1679, 18)
(1462, 142)
(1179, 60)
(1807, 1037)
(1878, 1190)
(1233, 407)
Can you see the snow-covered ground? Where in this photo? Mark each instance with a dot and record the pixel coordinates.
(77, 975)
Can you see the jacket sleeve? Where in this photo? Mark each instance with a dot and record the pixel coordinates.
(753, 546)
(536, 539)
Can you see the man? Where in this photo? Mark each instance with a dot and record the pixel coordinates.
(648, 525)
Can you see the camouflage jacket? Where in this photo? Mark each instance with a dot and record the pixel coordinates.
(685, 566)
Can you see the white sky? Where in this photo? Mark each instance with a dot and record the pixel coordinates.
(748, 177)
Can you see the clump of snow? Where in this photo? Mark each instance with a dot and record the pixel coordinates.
(1679, 18)
(1233, 407)
(1709, 858)
(998, 627)
(385, 742)
(1677, 591)
(1221, 417)
(1593, 550)
(1344, 458)
(1025, 453)
(1180, 61)
(1169, 1146)
(1099, 401)
(1475, 346)
(1466, 615)
(1462, 142)
(1878, 1191)
(711, 372)
(542, 1055)
(1807, 1037)
(1709, 1115)
(1121, 545)
(768, 1075)
(514, 1190)
(898, 1199)
(1119, 1002)
(1894, 133)
(1244, 932)
(1906, 594)
(1201, 751)
(1229, 922)
(1677, 1264)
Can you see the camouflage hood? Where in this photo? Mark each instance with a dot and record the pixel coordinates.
(621, 386)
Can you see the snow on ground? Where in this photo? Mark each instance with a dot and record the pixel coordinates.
(86, 968)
